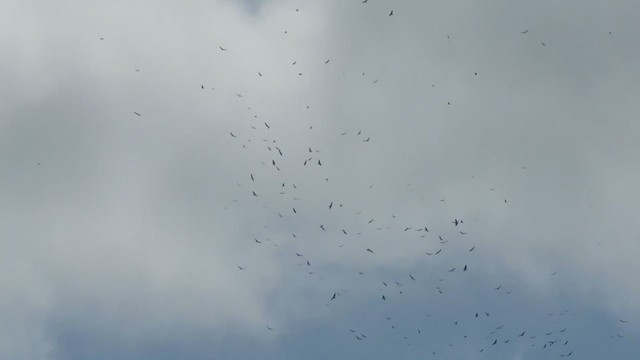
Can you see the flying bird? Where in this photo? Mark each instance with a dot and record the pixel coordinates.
(221, 48)
(391, 13)
(137, 113)
(524, 32)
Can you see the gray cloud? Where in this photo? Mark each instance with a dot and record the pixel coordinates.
(125, 231)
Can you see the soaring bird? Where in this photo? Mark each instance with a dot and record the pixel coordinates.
(391, 13)
(221, 48)
(369, 250)
(334, 296)
(137, 113)
(326, 62)
(524, 32)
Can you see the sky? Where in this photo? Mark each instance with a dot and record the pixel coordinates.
(297, 179)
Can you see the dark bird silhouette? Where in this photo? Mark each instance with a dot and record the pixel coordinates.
(473, 248)
(137, 113)
(240, 267)
(254, 194)
(524, 32)
(270, 328)
(369, 250)
(221, 48)
(391, 13)
(326, 62)
(334, 296)
(267, 125)
(367, 140)
(330, 206)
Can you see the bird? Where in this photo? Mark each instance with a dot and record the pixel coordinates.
(221, 48)
(524, 32)
(330, 205)
(326, 62)
(391, 13)
(270, 328)
(543, 44)
(137, 113)
(334, 296)
(240, 267)
(369, 250)
(473, 248)
(367, 140)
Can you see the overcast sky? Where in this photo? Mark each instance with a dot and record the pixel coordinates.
(254, 179)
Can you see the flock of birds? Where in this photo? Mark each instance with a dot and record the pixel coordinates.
(270, 180)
